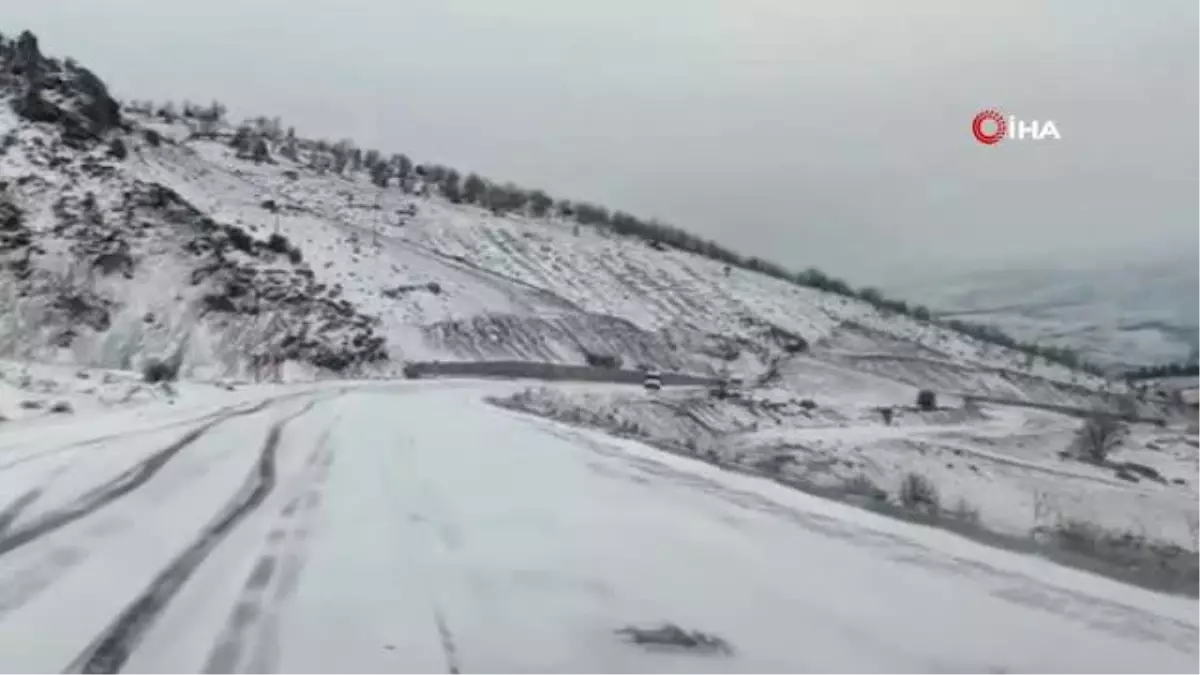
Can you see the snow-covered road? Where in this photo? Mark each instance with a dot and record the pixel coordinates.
(415, 528)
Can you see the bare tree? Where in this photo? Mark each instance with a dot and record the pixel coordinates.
(381, 172)
(451, 186)
(242, 139)
(540, 203)
(205, 126)
(590, 214)
(474, 189)
(918, 492)
(341, 156)
(403, 164)
(288, 147)
(259, 151)
(1099, 436)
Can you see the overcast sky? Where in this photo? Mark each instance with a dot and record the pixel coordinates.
(833, 133)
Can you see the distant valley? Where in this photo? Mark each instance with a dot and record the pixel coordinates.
(1127, 315)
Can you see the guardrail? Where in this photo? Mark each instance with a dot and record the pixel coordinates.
(534, 370)
(1075, 411)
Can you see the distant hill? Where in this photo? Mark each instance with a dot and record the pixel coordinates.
(1125, 315)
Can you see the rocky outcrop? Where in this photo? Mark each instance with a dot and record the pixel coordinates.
(243, 276)
(61, 93)
(16, 240)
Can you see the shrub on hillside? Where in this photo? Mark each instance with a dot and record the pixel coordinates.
(602, 360)
(1097, 437)
(473, 189)
(861, 484)
(259, 151)
(540, 203)
(796, 345)
(240, 141)
(590, 214)
(117, 149)
(278, 243)
(888, 413)
(342, 153)
(402, 165)
(919, 493)
(61, 407)
(927, 400)
(452, 191)
(155, 371)
(381, 173)
(506, 198)
(871, 295)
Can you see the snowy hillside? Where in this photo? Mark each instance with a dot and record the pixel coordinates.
(145, 231)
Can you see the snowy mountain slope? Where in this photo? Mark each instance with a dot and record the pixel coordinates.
(540, 286)
(106, 267)
(182, 238)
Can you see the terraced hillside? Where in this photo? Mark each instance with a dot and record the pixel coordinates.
(185, 232)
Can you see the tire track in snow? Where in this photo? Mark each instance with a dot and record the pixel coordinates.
(421, 511)
(105, 494)
(97, 440)
(450, 538)
(253, 624)
(218, 414)
(10, 513)
(19, 586)
(113, 647)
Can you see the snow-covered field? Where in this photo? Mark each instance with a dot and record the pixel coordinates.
(356, 528)
(1003, 465)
